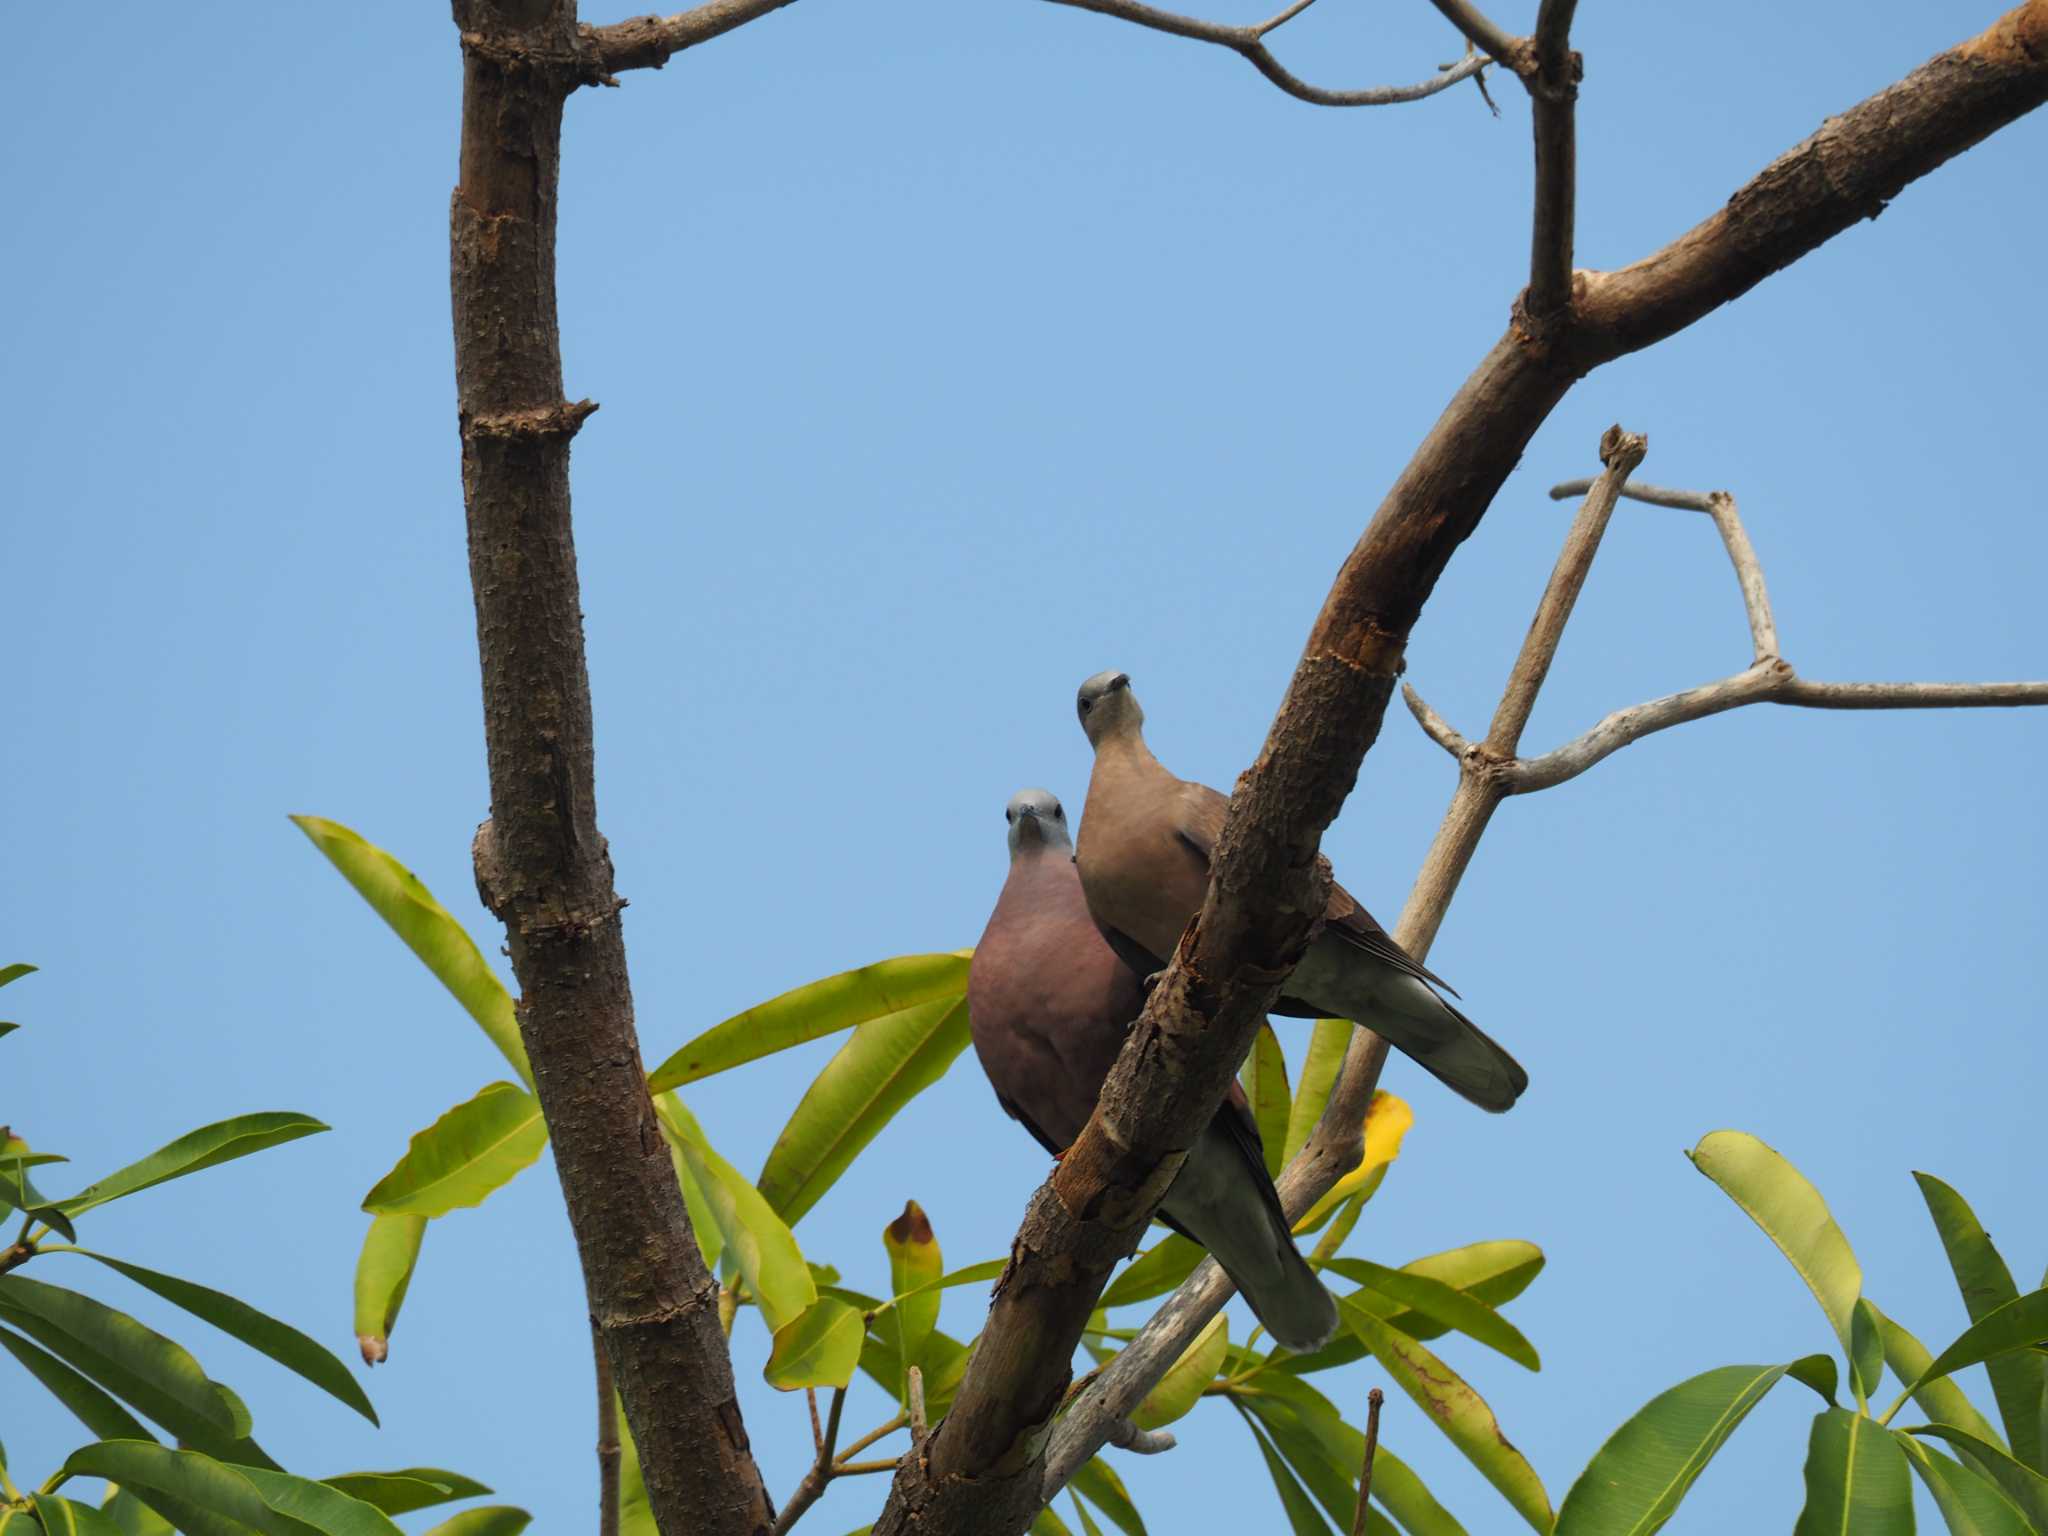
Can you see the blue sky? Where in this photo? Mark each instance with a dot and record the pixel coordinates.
(948, 354)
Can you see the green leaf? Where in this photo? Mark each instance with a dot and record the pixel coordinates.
(1942, 1400)
(14, 972)
(1264, 1076)
(756, 1240)
(884, 1065)
(15, 1521)
(1817, 1372)
(1186, 1379)
(1866, 1353)
(845, 1001)
(1444, 1304)
(88, 1404)
(1777, 1197)
(7, 1027)
(198, 1494)
(441, 943)
(946, 1363)
(135, 1363)
(1154, 1272)
(710, 1241)
(2017, 1380)
(1097, 1480)
(1326, 1045)
(1971, 1505)
(132, 1517)
(1635, 1482)
(326, 1509)
(915, 1262)
(408, 1489)
(819, 1347)
(1088, 1525)
(62, 1517)
(464, 1157)
(1318, 1446)
(1408, 1499)
(1856, 1481)
(2016, 1325)
(383, 1272)
(18, 1190)
(1492, 1272)
(207, 1147)
(491, 1520)
(1046, 1523)
(260, 1331)
(2019, 1482)
(1456, 1409)
(1303, 1519)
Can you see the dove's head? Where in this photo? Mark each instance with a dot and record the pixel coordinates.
(1108, 707)
(1036, 821)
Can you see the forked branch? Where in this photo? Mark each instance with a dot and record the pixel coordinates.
(648, 42)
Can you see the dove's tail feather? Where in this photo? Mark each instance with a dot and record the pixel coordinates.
(1225, 1202)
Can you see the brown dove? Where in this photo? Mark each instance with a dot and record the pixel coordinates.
(1049, 1002)
(1143, 857)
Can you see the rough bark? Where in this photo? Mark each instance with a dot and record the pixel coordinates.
(542, 865)
(979, 1470)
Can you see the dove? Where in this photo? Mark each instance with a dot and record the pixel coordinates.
(1048, 1005)
(1143, 857)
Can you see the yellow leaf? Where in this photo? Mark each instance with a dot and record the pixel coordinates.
(1387, 1120)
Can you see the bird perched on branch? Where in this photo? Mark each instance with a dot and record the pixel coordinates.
(1146, 841)
(1049, 1003)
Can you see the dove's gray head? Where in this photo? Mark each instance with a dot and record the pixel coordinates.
(1108, 707)
(1036, 821)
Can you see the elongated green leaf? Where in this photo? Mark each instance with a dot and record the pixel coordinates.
(2016, 1325)
(1088, 1525)
(2017, 1380)
(62, 1517)
(132, 1361)
(442, 944)
(636, 1514)
(15, 972)
(710, 1241)
(19, 1521)
(1492, 1272)
(323, 1507)
(756, 1240)
(464, 1157)
(1320, 1449)
(882, 1067)
(91, 1406)
(260, 1331)
(18, 1191)
(1408, 1499)
(971, 1274)
(1444, 1304)
(1303, 1518)
(946, 1359)
(491, 1520)
(1634, 1483)
(185, 1481)
(1866, 1351)
(132, 1517)
(1969, 1503)
(1856, 1480)
(408, 1489)
(207, 1147)
(915, 1262)
(1098, 1482)
(1154, 1272)
(819, 1347)
(1186, 1379)
(1943, 1401)
(1456, 1409)
(1777, 1197)
(2019, 1482)
(1264, 1076)
(7, 1027)
(1326, 1045)
(811, 1012)
(383, 1272)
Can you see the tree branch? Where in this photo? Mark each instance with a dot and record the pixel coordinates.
(1553, 84)
(822, 1470)
(607, 1441)
(648, 42)
(1501, 46)
(1249, 42)
(542, 865)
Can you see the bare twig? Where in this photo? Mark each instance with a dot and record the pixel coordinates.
(817, 1430)
(918, 1427)
(1553, 91)
(1126, 1436)
(879, 1432)
(1250, 43)
(607, 1440)
(1489, 39)
(648, 42)
(1373, 1400)
(821, 1471)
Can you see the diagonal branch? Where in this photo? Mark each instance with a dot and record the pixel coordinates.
(1250, 43)
(1497, 44)
(648, 42)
